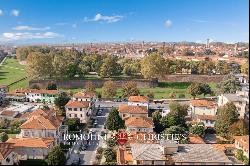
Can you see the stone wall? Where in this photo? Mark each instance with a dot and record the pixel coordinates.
(67, 84)
(193, 78)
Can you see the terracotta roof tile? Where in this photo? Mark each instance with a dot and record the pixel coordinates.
(84, 95)
(5, 150)
(139, 122)
(206, 117)
(31, 142)
(77, 104)
(132, 109)
(203, 103)
(138, 99)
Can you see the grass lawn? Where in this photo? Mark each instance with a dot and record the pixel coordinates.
(11, 71)
(162, 91)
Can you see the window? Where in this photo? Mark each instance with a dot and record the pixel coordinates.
(80, 109)
(75, 115)
(70, 109)
(75, 109)
(69, 115)
(81, 115)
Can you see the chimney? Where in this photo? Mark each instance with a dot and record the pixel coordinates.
(168, 147)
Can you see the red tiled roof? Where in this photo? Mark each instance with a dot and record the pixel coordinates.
(84, 95)
(138, 99)
(139, 122)
(78, 104)
(206, 117)
(132, 109)
(31, 142)
(203, 103)
(5, 150)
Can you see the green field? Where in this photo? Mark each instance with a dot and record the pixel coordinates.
(12, 71)
(163, 91)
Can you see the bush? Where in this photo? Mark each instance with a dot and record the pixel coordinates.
(181, 95)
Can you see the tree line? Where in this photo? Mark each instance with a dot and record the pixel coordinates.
(43, 63)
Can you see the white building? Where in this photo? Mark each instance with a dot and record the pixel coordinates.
(43, 124)
(138, 101)
(32, 148)
(203, 107)
(85, 96)
(79, 109)
(241, 102)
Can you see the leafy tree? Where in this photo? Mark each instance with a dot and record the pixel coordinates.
(61, 101)
(130, 89)
(239, 154)
(109, 89)
(156, 116)
(56, 156)
(109, 155)
(114, 121)
(245, 68)
(3, 137)
(205, 89)
(174, 130)
(153, 66)
(110, 67)
(90, 87)
(73, 124)
(52, 86)
(226, 116)
(197, 130)
(195, 89)
(39, 65)
(176, 109)
(238, 128)
(229, 84)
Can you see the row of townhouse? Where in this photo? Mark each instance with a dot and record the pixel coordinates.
(33, 95)
(41, 131)
(135, 114)
(205, 110)
(139, 151)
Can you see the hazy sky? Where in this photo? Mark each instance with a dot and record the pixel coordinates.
(58, 21)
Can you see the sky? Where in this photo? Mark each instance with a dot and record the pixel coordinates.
(77, 21)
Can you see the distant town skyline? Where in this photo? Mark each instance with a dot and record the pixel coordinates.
(64, 21)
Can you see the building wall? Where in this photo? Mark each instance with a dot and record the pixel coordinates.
(144, 104)
(83, 115)
(203, 111)
(125, 115)
(242, 107)
(201, 163)
(208, 123)
(9, 160)
(25, 153)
